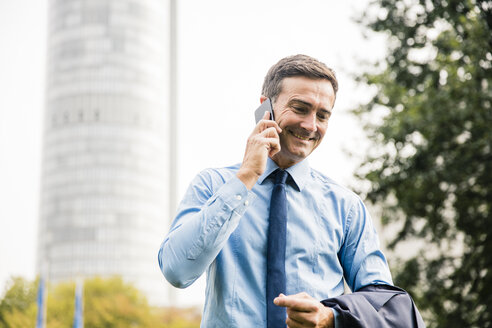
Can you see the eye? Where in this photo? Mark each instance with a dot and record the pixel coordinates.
(323, 116)
(299, 109)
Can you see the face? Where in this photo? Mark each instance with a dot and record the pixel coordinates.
(302, 110)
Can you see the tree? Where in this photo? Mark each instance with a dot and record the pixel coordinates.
(107, 303)
(430, 166)
(18, 305)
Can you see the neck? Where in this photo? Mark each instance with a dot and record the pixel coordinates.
(283, 162)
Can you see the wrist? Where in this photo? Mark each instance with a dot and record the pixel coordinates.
(248, 177)
(328, 320)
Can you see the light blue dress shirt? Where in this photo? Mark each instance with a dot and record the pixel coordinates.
(221, 229)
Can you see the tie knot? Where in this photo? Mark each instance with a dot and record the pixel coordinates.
(280, 176)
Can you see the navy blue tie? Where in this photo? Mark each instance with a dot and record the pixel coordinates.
(277, 227)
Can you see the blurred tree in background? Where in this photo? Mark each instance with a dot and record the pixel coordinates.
(18, 305)
(430, 163)
(107, 303)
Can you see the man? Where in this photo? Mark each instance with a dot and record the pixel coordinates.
(224, 223)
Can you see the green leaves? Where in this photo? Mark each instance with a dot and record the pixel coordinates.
(18, 306)
(107, 303)
(430, 166)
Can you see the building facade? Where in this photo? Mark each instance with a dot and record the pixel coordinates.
(106, 146)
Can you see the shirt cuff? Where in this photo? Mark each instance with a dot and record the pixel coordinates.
(236, 196)
(336, 319)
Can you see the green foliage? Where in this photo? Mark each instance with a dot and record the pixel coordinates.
(107, 303)
(131, 308)
(431, 164)
(18, 305)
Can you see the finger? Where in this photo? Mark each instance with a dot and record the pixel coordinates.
(265, 124)
(282, 301)
(301, 317)
(304, 306)
(273, 145)
(303, 295)
(272, 140)
(296, 303)
(268, 138)
(271, 132)
(321, 318)
(261, 138)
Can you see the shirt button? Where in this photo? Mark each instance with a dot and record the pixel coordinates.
(238, 197)
(246, 203)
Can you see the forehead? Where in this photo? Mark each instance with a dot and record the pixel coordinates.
(317, 92)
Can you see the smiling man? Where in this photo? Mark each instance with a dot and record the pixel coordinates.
(275, 236)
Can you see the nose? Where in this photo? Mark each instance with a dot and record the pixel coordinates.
(309, 122)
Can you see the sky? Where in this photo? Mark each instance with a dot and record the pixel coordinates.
(224, 51)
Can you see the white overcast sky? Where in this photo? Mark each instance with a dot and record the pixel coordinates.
(225, 48)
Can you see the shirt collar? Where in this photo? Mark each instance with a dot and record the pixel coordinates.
(299, 172)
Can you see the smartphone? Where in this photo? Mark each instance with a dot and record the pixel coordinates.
(266, 106)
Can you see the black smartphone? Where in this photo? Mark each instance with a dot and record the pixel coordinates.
(266, 106)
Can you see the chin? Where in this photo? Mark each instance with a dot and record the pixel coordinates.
(294, 151)
(300, 152)
(297, 156)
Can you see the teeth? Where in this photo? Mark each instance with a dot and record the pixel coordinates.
(300, 137)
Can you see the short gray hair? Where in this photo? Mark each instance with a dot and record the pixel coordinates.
(297, 65)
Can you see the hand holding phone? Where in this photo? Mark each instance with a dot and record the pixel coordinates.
(262, 143)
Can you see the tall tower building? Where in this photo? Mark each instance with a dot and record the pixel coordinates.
(106, 170)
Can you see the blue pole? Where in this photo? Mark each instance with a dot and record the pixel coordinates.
(40, 302)
(78, 319)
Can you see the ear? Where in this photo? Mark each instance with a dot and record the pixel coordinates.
(262, 99)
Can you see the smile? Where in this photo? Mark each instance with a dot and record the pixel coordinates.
(300, 137)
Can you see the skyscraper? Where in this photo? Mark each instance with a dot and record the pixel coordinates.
(106, 146)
